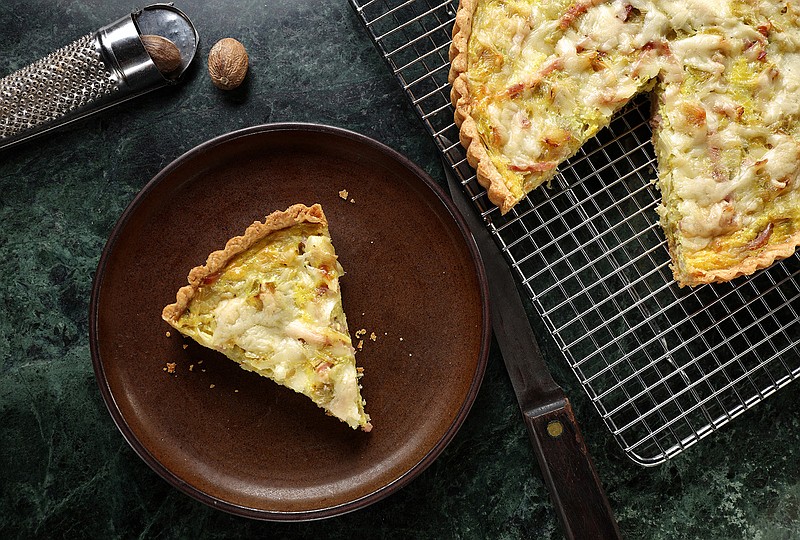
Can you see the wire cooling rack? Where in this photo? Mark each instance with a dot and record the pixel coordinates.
(663, 366)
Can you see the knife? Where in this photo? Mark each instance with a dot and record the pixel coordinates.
(567, 467)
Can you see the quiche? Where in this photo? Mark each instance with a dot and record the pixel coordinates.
(270, 301)
(532, 80)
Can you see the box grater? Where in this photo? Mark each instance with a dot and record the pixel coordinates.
(663, 366)
(92, 73)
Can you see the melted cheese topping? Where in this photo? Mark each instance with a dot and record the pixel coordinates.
(544, 76)
(276, 309)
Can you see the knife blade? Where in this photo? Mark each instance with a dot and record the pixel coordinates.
(567, 467)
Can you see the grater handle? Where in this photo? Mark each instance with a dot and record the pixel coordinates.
(570, 474)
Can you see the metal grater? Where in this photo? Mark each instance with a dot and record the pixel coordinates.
(92, 73)
(663, 366)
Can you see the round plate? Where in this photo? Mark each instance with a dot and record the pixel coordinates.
(238, 441)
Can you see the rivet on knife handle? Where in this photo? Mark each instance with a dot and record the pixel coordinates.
(570, 474)
(92, 73)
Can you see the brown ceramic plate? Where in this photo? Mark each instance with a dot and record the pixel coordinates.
(238, 441)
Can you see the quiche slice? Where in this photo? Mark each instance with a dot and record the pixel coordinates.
(270, 301)
(727, 137)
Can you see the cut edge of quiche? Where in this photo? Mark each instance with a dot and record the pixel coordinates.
(270, 301)
(764, 259)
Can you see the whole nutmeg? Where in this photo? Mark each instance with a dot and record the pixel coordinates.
(163, 52)
(227, 63)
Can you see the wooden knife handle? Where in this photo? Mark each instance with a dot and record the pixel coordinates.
(570, 475)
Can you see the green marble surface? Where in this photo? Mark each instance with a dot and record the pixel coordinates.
(66, 471)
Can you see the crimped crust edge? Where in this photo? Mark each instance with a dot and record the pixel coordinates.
(217, 260)
(749, 265)
(477, 156)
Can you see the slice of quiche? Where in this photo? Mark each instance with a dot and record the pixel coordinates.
(727, 138)
(270, 301)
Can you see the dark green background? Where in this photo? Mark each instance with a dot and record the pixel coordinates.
(65, 470)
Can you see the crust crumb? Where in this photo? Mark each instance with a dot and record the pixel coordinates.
(212, 385)
(343, 194)
(185, 346)
(372, 336)
(169, 334)
(191, 367)
(360, 344)
(170, 368)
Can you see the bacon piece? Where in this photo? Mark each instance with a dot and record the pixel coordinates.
(597, 62)
(661, 46)
(760, 240)
(628, 10)
(646, 53)
(695, 114)
(323, 367)
(536, 79)
(718, 172)
(715, 154)
(515, 89)
(209, 280)
(540, 166)
(322, 290)
(556, 137)
(575, 10)
(733, 111)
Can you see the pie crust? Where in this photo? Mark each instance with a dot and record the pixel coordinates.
(217, 260)
(487, 174)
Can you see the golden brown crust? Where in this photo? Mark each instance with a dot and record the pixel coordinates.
(295, 214)
(477, 155)
(762, 260)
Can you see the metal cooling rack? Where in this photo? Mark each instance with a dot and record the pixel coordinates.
(663, 366)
